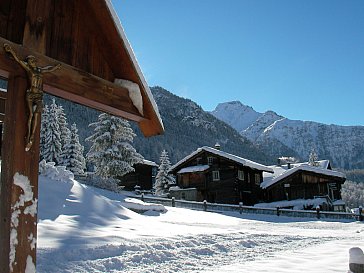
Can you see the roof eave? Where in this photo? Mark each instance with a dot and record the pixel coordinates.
(153, 124)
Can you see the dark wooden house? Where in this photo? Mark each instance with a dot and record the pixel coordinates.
(220, 177)
(143, 176)
(303, 181)
(76, 50)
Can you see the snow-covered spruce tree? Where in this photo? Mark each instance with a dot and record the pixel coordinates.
(63, 126)
(45, 114)
(52, 148)
(313, 158)
(72, 155)
(163, 179)
(111, 150)
(353, 194)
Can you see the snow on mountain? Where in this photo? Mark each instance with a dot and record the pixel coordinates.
(278, 136)
(234, 112)
(260, 125)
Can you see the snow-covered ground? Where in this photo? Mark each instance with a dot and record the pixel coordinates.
(84, 229)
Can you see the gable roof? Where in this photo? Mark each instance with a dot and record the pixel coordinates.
(99, 67)
(152, 110)
(281, 172)
(231, 157)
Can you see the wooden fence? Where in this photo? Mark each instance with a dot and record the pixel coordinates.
(205, 206)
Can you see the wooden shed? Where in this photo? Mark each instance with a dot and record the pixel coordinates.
(76, 50)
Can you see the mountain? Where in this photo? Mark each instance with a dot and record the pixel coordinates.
(236, 113)
(280, 136)
(187, 127)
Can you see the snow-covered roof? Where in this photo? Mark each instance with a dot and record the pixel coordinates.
(338, 202)
(281, 172)
(150, 163)
(192, 169)
(237, 159)
(132, 57)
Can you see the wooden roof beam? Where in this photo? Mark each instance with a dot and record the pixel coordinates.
(76, 85)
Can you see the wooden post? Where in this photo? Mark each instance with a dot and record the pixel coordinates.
(173, 201)
(240, 207)
(18, 233)
(318, 212)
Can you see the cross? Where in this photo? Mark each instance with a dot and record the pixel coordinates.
(86, 56)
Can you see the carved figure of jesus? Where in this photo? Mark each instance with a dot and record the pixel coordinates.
(34, 95)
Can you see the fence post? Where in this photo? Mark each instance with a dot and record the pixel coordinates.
(318, 212)
(142, 197)
(240, 207)
(173, 202)
(204, 205)
(360, 213)
(278, 212)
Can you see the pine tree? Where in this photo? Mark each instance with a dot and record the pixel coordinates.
(52, 148)
(63, 126)
(73, 157)
(44, 122)
(163, 179)
(111, 150)
(313, 158)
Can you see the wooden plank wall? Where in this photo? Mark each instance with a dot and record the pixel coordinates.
(12, 19)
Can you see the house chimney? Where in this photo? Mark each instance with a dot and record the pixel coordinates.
(217, 146)
(278, 162)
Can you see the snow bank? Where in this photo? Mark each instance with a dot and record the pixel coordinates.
(59, 173)
(140, 206)
(109, 184)
(298, 204)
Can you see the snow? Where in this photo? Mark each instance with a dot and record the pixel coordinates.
(231, 157)
(298, 204)
(28, 204)
(30, 266)
(85, 229)
(356, 255)
(236, 114)
(134, 93)
(150, 163)
(198, 168)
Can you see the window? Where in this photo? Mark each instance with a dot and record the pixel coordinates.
(210, 160)
(241, 175)
(215, 175)
(257, 179)
(199, 160)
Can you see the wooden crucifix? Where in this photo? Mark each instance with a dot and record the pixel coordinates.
(34, 95)
(92, 54)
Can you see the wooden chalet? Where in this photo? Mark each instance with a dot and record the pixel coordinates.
(76, 50)
(143, 176)
(303, 181)
(220, 177)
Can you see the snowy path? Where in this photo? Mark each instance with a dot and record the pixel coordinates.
(188, 254)
(250, 244)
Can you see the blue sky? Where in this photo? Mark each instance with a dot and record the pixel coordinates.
(303, 59)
